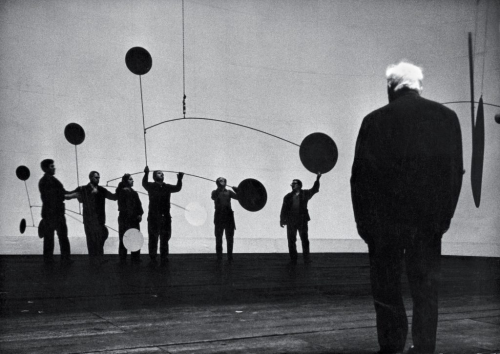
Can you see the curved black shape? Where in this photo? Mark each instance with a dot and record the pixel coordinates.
(497, 118)
(74, 133)
(476, 173)
(318, 153)
(220, 121)
(23, 173)
(252, 194)
(138, 60)
(22, 226)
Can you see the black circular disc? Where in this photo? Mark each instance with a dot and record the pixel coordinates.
(252, 194)
(497, 118)
(318, 153)
(23, 173)
(138, 60)
(22, 226)
(74, 133)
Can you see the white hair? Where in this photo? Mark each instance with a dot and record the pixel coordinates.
(403, 75)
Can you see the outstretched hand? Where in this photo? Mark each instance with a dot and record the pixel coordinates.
(318, 176)
(180, 175)
(146, 169)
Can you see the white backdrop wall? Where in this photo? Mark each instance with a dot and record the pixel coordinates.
(289, 68)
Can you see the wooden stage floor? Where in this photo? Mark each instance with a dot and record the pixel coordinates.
(258, 304)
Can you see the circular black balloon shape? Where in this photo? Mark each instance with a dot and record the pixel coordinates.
(23, 173)
(22, 226)
(318, 153)
(252, 194)
(74, 133)
(138, 60)
(497, 118)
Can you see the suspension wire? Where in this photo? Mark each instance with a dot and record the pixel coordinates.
(143, 124)
(29, 201)
(484, 103)
(77, 177)
(183, 67)
(484, 45)
(223, 121)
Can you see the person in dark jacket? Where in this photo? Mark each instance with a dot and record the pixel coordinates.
(53, 195)
(224, 217)
(405, 183)
(130, 215)
(93, 197)
(159, 219)
(295, 216)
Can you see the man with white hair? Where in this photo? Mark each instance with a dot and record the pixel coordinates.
(405, 183)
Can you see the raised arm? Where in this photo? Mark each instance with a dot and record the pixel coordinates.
(178, 186)
(145, 178)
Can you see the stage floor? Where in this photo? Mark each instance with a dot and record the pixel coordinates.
(257, 304)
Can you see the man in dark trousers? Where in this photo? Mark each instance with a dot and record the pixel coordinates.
(53, 195)
(159, 219)
(93, 197)
(224, 217)
(405, 184)
(295, 216)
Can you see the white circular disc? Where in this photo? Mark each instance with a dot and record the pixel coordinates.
(133, 240)
(195, 214)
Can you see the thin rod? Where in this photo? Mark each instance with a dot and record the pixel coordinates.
(223, 121)
(471, 73)
(484, 45)
(188, 174)
(77, 178)
(29, 201)
(71, 216)
(486, 104)
(143, 124)
(183, 67)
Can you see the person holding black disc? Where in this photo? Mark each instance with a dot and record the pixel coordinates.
(295, 216)
(53, 195)
(93, 197)
(159, 219)
(224, 217)
(130, 215)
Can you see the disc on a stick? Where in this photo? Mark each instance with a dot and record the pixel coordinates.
(23, 173)
(318, 153)
(497, 118)
(22, 226)
(133, 240)
(138, 60)
(74, 133)
(252, 194)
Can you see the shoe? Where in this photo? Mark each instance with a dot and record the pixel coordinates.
(412, 350)
(307, 261)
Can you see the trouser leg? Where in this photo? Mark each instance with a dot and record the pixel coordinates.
(304, 238)
(165, 235)
(62, 235)
(230, 241)
(291, 233)
(122, 250)
(48, 242)
(153, 233)
(218, 232)
(423, 263)
(385, 276)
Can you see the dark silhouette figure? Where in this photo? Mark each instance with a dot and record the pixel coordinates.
(224, 217)
(53, 195)
(405, 184)
(130, 215)
(159, 219)
(295, 216)
(93, 197)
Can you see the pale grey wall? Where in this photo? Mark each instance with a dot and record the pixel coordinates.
(286, 67)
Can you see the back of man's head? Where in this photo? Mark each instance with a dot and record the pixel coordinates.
(45, 164)
(404, 75)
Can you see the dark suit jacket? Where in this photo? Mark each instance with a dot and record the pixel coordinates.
(52, 194)
(407, 166)
(304, 196)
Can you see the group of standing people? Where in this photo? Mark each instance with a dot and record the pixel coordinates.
(405, 183)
